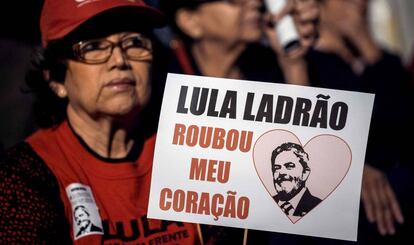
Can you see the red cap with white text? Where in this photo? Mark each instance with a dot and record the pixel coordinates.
(60, 17)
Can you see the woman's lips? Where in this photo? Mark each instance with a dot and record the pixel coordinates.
(121, 84)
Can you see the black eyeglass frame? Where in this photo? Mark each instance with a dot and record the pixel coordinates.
(79, 55)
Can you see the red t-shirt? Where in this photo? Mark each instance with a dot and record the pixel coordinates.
(106, 203)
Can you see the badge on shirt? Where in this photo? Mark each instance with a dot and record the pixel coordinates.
(86, 218)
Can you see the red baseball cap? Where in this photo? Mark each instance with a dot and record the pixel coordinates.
(60, 17)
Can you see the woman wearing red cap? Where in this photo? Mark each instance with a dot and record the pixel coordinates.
(84, 177)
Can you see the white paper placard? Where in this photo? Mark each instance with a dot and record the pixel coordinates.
(213, 156)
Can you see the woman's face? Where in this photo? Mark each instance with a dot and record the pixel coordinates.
(231, 21)
(116, 87)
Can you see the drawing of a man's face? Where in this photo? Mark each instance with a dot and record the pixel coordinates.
(289, 174)
(82, 217)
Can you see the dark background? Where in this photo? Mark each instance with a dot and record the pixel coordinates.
(20, 20)
(19, 35)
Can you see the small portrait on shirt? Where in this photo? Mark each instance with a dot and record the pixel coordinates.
(83, 222)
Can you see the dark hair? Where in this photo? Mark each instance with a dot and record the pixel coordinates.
(49, 109)
(297, 150)
(84, 209)
(170, 8)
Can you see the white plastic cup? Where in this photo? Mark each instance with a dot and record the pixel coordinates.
(285, 28)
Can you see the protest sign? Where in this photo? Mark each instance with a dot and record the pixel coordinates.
(263, 156)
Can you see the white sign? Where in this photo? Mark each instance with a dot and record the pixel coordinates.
(262, 156)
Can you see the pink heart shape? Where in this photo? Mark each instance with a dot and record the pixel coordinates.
(329, 160)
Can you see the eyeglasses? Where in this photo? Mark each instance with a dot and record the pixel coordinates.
(98, 51)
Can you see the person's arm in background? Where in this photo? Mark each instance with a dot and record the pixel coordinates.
(383, 77)
(386, 79)
(293, 64)
(380, 203)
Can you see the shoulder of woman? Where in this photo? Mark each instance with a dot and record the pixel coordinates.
(30, 199)
(21, 164)
(22, 159)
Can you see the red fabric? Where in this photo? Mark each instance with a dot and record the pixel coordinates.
(60, 17)
(121, 190)
(182, 57)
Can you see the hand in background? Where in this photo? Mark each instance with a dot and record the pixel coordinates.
(306, 15)
(380, 203)
(348, 19)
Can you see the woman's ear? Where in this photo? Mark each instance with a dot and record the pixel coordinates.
(59, 89)
(189, 22)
